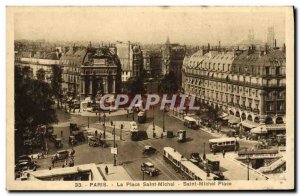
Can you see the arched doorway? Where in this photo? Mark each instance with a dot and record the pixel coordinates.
(268, 120)
(279, 120)
(231, 112)
(243, 116)
(237, 114)
(249, 118)
(256, 119)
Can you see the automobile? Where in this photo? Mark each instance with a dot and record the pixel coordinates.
(133, 126)
(79, 136)
(190, 122)
(23, 158)
(61, 155)
(149, 168)
(74, 127)
(73, 140)
(148, 150)
(95, 142)
(142, 117)
(58, 143)
(196, 157)
(25, 165)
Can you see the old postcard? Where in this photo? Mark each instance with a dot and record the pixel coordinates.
(150, 98)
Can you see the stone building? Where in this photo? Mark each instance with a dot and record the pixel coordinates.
(100, 72)
(131, 59)
(172, 58)
(71, 62)
(247, 85)
(39, 62)
(152, 62)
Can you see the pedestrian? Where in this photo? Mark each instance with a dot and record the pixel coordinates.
(53, 163)
(111, 123)
(224, 153)
(49, 167)
(106, 170)
(96, 133)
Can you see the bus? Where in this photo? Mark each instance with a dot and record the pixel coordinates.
(180, 163)
(227, 144)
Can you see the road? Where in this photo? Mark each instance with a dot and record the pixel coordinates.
(130, 152)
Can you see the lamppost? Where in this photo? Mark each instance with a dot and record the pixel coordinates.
(88, 122)
(115, 160)
(104, 135)
(204, 155)
(248, 162)
(121, 130)
(153, 128)
(164, 111)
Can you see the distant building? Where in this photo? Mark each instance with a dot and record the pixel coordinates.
(172, 58)
(152, 62)
(38, 62)
(131, 59)
(71, 62)
(247, 85)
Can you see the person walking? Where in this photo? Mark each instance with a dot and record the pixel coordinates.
(106, 170)
(53, 163)
(224, 153)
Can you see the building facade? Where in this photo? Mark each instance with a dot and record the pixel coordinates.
(100, 72)
(152, 62)
(172, 58)
(39, 63)
(247, 85)
(71, 62)
(131, 59)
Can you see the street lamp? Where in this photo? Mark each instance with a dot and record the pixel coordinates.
(164, 111)
(153, 128)
(104, 135)
(248, 162)
(114, 132)
(204, 155)
(88, 122)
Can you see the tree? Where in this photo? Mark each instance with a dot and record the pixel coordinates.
(33, 105)
(40, 74)
(135, 85)
(56, 81)
(169, 83)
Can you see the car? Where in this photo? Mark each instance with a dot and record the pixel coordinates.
(149, 168)
(133, 126)
(25, 166)
(195, 157)
(148, 150)
(61, 155)
(95, 142)
(23, 158)
(73, 140)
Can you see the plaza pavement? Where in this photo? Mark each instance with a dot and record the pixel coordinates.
(115, 173)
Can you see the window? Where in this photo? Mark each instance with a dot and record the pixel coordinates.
(267, 71)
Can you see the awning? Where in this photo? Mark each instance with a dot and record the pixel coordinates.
(249, 124)
(259, 130)
(276, 127)
(234, 120)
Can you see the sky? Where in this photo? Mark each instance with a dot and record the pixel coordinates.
(185, 25)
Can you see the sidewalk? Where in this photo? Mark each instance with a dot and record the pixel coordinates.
(115, 173)
(214, 134)
(234, 169)
(91, 114)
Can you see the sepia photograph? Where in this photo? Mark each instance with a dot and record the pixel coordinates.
(150, 98)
